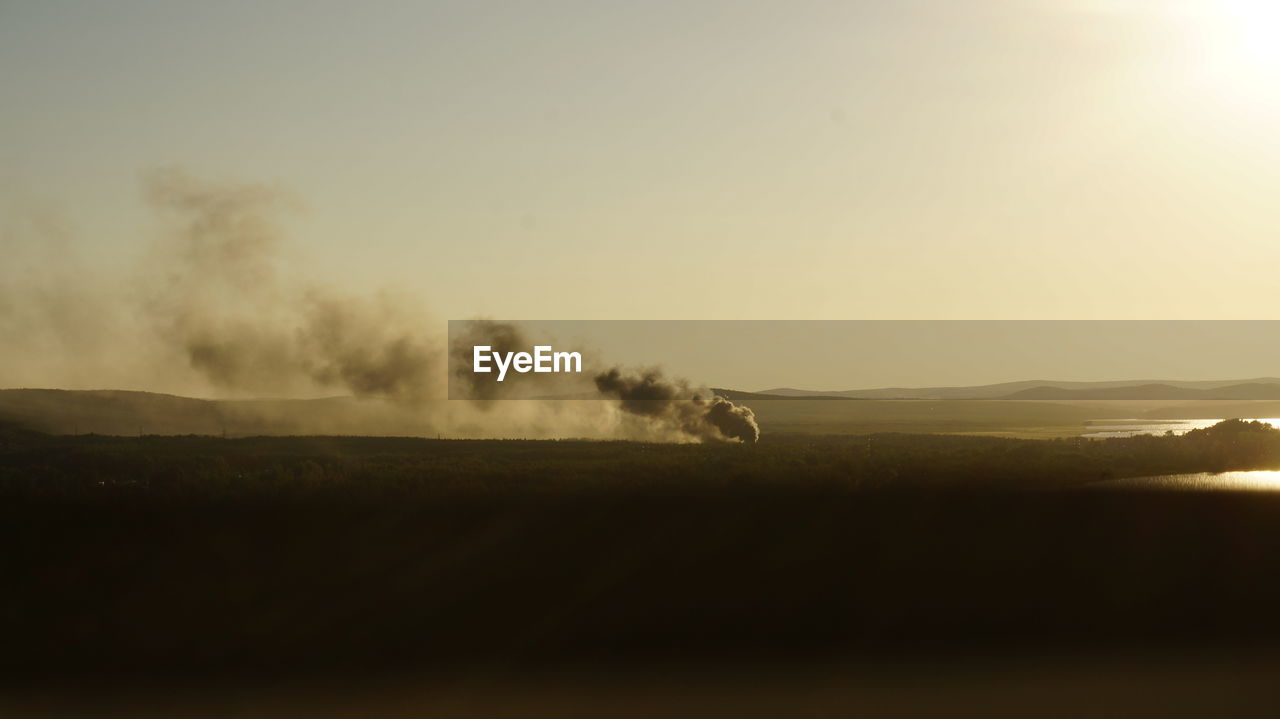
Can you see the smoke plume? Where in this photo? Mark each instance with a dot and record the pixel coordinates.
(502, 337)
(673, 403)
(247, 330)
(220, 308)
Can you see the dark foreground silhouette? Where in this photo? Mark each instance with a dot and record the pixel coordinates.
(174, 558)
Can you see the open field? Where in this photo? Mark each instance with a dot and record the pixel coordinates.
(999, 418)
(160, 469)
(983, 417)
(141, 413)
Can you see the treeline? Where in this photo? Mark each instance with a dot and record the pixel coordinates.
(33, 464)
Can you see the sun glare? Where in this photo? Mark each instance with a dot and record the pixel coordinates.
(1239, 45)
(1254, 28)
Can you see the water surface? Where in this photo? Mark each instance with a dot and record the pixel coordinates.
(1104, 428)
(1258, 480)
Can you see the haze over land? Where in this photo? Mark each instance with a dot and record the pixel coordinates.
(215, 306)
(140, 413)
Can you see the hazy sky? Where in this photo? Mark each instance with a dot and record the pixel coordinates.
(718, 159)
(841, 355)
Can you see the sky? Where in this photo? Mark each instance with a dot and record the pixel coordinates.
(866, 354)
(565, 159)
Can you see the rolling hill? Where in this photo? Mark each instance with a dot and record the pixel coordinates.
(1246, 391)
(1238, 389)
(120, 412)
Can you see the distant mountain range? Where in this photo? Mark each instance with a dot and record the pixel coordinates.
(1262, 388)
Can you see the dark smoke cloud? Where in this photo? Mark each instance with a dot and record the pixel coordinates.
(667, 409)
(733, 420)
(503, 337)
(364, 348)
(674, 403)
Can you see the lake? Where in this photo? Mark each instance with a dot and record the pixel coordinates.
(1103, 428)
(1200, 481)
(1258, 480)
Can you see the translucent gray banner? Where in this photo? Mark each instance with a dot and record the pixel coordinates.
(772, 359)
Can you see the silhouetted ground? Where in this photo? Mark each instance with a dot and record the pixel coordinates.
(191, 559)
